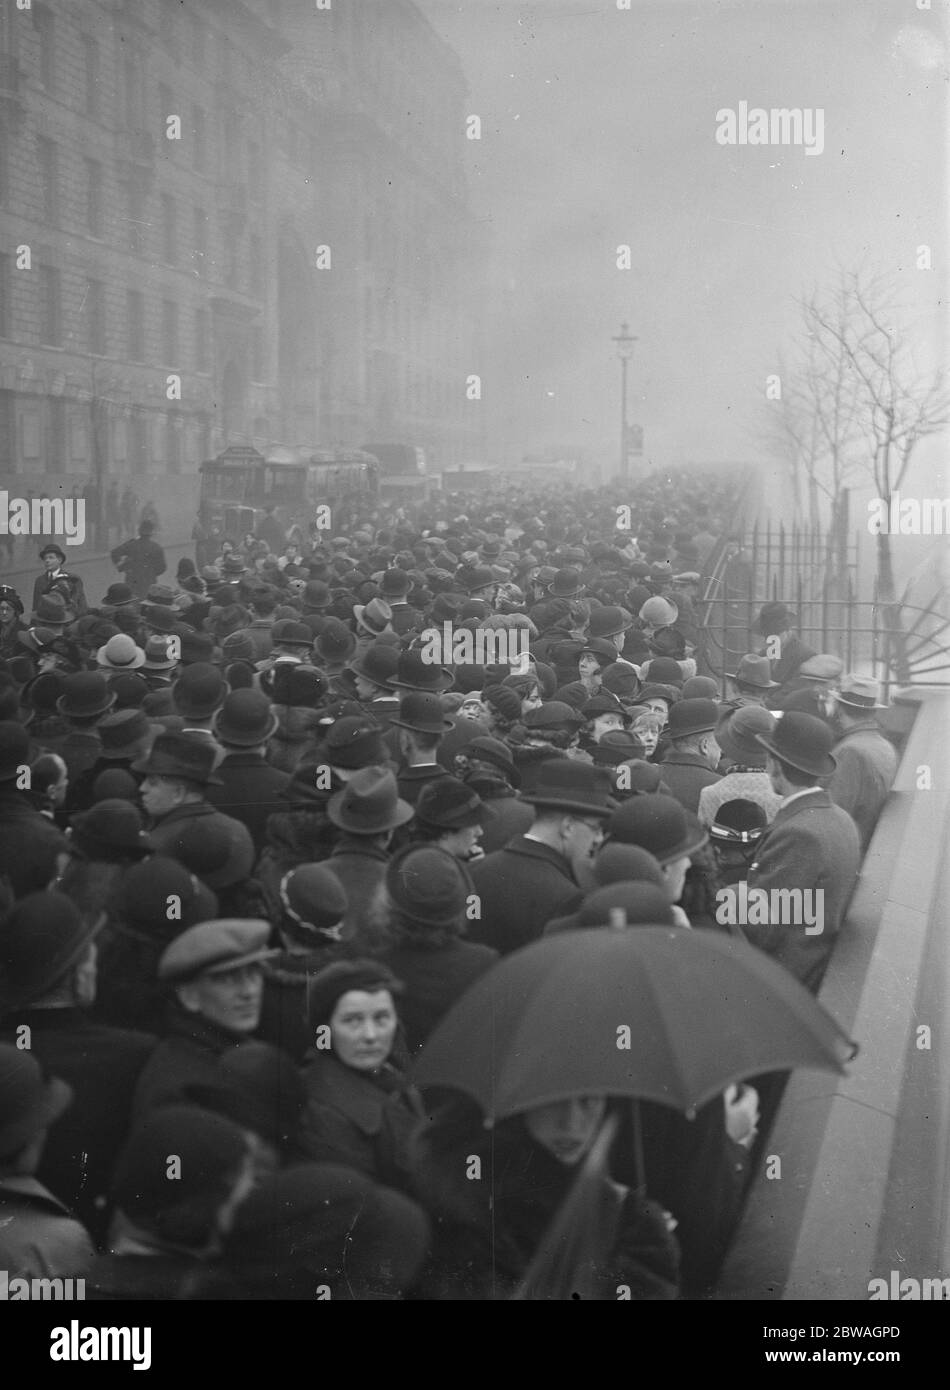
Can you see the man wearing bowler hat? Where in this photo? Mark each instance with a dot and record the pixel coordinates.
(690, 763)
(55, 579)
(421, 726)
(394, 590)
(178, 770)
(214, 973)
(249, 788)
(867, 763)
(812, 844)
(535, 876)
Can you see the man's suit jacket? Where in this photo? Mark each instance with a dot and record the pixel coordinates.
(861, 781)
(811, 844)
(521, 888)
(686, 775)
(251, 791)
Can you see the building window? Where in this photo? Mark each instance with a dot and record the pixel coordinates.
(135, 313)
(94, 197)
(91, 76)
(202, 341)
(201, 138)
(43, 20)
(169, 331)
(96, 314)
(257, 354)
(136, 218)
(201, 239)
(256, 255)
(51, 312)
(169, 229)
(46, 160)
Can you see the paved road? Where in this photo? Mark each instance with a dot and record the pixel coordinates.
(95, 569)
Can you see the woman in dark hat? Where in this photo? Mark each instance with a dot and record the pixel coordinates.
(103, 842)
(428, 892)
(11, 613)
(360, 1109)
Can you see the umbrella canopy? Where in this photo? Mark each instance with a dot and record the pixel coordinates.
(656, 1013)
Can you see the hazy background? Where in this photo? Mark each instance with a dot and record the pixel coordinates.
(599, 129)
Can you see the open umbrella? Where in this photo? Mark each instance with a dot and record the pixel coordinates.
(655, 1013)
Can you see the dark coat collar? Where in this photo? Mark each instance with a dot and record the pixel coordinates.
(534, 849)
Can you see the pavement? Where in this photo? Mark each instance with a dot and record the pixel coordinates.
(92, 565)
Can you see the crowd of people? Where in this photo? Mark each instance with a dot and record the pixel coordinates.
(260, 832)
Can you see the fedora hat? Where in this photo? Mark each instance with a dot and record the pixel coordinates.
(563, 784)
(859, 692)
(29, 1099)
(159, 618)
(755, 671)
(336, 642)
(370, 803)
(658, 824)
(125, 733)
(414, 673)
(247, 718)
(448, 804)
(352, 742)
(50, 611)
(199, 691)
(85, 696)
(823, 667)
(120, 653)
(737, 734)
(803, 741)
(41, 938)
(421, 711)
(157, 656)
(375, 616)
(176, 754)
(471, 578)
(608, 621)
(377, 663)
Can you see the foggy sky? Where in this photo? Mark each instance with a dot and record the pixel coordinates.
(599, 129)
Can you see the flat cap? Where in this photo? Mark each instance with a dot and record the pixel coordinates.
(213, 947)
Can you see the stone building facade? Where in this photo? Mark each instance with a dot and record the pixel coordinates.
(229, 221)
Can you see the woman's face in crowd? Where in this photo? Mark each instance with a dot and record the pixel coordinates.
(461, 844)
(659, 707)
(7, 613)
(566, 1128)
(472, 707)
(532, 700)
(603, 724)
(588, 666)
(649, 735)
(362, 1028)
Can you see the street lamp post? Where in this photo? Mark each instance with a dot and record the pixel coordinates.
(625, 342)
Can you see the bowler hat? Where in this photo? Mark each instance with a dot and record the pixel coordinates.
(693, 717)
(29, 1099)
(659, 824)
(663, 670)
(118, 595)
(754, 671)
(774, 618)
(421, 711)
(553, 714)
(563, 784)
(471, 578)
(41, 938)
(196, 647)
(51, 548)
(352, 742)
(739, 822)
(428, 885)
(802, 741)
(145, 893)
(565, 584)
(217, 849)
(604, 703)
(233, 565)
(247, 718)
(288, 633)
(159, 618)
(617, 746)
(186, 756)
(737, 734)
(395, 583)
(316, 595)
(376, 663)
(120, 653)
(199, 691)
(329, 985)
(237, 646)
(859, 692)
(369, 804)
(111, 830)
(290, 684)
(620, 863)
(608, 621)
(415, 673)
(700, 688)
(211, 948)
(641, 904)
(336, 642)
(125, 733)
(448, 804)
(85, 696)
